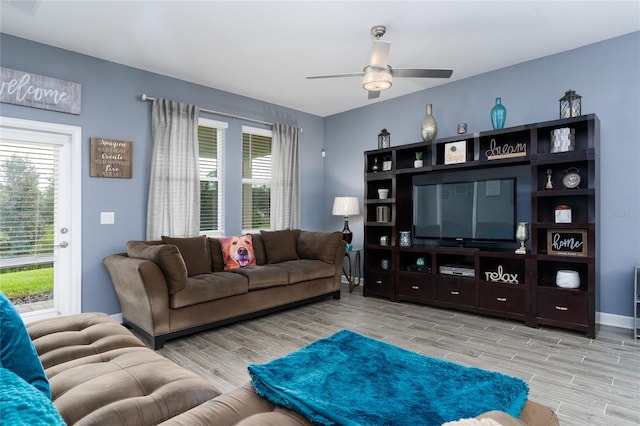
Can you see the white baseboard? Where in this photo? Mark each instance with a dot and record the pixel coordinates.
(614, 320)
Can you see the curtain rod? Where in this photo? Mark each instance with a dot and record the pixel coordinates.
(144, 97)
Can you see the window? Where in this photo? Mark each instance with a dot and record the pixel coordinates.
(256, 179)
(211, 142)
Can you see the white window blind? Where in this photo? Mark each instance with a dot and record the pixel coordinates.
(256, 179)
(211, 136)
(27, 198)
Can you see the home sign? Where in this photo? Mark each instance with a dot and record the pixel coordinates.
(567, 242)
(38, 91)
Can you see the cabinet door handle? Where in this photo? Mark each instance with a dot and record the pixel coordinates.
(455, 293)
(415, 287)
(501, 299)
(562, 308)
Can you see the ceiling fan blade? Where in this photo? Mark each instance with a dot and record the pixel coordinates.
(348, 74)
(373, 95)
(421, 73)
(380, 54)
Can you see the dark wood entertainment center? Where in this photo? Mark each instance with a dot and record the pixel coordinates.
(505, 284)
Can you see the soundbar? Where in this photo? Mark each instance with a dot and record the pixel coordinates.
(461, 271)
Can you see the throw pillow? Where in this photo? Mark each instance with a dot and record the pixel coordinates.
(237, 252)
(319, 245)
(194, 251)
(22, 404)
(17, 352)
(217, 261)
(168, 259)
(280, 245)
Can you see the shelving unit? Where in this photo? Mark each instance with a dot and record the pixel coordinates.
(534, 299)
(636, 302)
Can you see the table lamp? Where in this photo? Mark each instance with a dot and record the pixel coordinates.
(346, 206)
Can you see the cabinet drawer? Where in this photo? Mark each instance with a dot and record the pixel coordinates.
(456, 292)
(502, 298)
(378, 283)
(415, 288)
(563, 305)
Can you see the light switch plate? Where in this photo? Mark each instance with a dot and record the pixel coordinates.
(107, 218)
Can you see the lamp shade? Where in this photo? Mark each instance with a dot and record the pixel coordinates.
(376, 79)
(346, 206)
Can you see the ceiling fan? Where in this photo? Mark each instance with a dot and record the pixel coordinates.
(378, 75)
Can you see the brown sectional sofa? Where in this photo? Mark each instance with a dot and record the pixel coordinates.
(101, 374)
(179, 286)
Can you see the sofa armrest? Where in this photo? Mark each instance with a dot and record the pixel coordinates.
(142, 291)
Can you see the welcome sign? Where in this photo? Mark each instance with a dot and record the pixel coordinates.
(38, 91)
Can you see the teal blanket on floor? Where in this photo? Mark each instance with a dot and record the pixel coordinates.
(350, 379)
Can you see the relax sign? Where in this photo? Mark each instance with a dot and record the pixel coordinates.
(37, 91)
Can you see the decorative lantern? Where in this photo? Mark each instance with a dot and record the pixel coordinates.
(570, 105)
(384, 139)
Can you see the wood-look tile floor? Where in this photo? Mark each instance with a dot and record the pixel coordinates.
(586, 381)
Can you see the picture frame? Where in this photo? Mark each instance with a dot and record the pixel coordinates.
(455, 152)
(567, 242)
(111, 158)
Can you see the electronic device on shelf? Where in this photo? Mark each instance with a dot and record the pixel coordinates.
(458, 270)
(419, 268)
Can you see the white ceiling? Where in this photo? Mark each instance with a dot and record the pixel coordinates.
(264, 49)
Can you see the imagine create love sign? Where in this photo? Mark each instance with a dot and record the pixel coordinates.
(38, 91)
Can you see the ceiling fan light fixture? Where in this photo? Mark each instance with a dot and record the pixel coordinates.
(377, 79)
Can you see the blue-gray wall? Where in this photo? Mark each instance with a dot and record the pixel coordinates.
(605, 74)
(111, 108)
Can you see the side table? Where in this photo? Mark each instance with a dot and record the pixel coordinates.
(352, 271)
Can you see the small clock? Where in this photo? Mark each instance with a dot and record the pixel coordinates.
(571, 178)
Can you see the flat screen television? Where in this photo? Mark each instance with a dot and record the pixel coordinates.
(473, 210)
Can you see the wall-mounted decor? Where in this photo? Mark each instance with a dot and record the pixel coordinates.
(38, 91)
(507, 150)
(455, 152)
(111, 158)
(567, 242)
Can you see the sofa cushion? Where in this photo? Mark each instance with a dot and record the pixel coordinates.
(319, 245)
(17, 353)
(206, 287)
(215, 250)
(264, 276)
(280, 245)
(194, 251)
(103, 375)
(23, 404)
(237, 251)
(307, 269)
(168, 258)
(258, 249)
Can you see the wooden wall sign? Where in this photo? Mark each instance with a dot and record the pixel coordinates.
(567, 242)
(111, 158)
(38, 91)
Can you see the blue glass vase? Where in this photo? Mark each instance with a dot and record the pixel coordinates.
(498, 114)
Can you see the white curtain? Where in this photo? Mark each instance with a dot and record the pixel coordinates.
(173, 206)
(285, 177)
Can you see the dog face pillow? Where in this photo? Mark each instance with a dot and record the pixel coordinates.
(237, 251)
